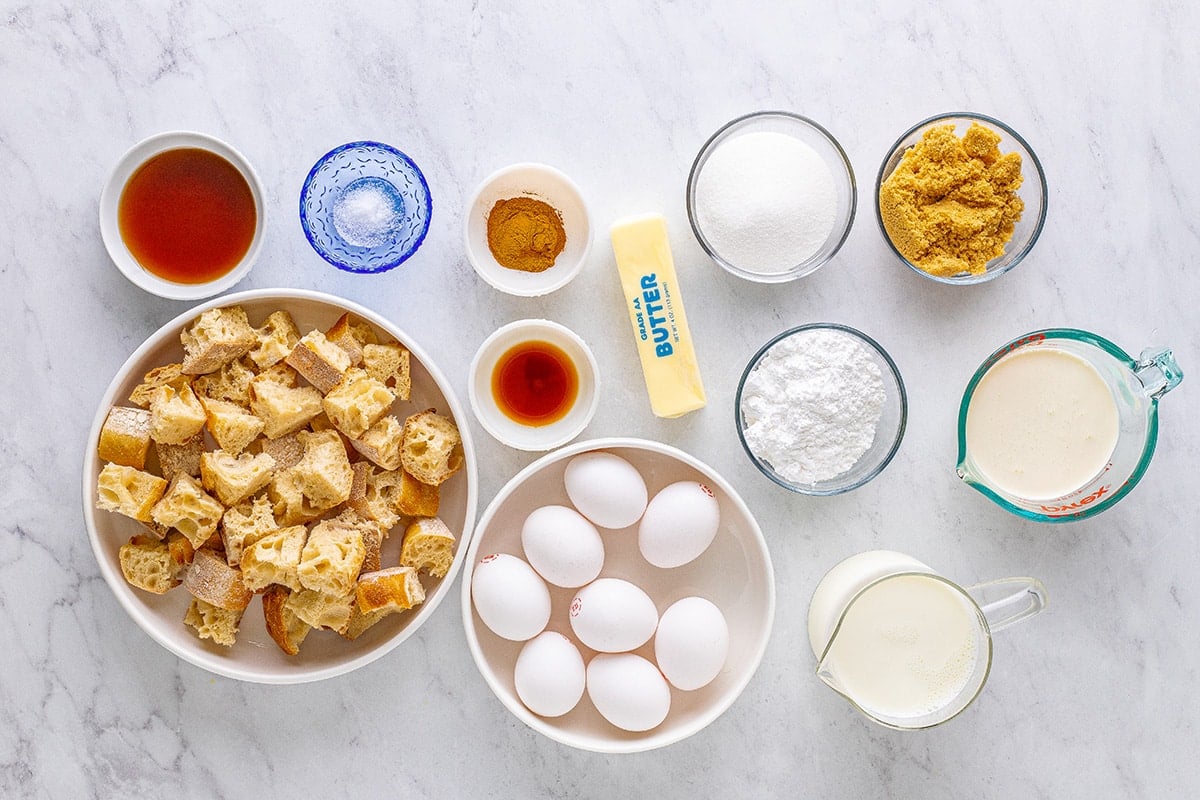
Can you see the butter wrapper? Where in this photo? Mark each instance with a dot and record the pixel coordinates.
(655, 306)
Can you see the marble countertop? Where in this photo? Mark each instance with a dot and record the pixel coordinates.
(1095, 698)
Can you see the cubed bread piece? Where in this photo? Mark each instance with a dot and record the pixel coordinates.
(146, 563)
(381, 443)
(128, 491)
(321, 610)
(396, 588)
(232, 426)
(210, 579)
(166, 375)
(283, 625)
(287, 450)
(357, 403)
(231, 382)
(288, 501)
(213, 622)
(217, 337)
(416, 499)
(372, 494)
(320, 361)
(391, 364)
(234, 478)
(332, 558)
(177, 459)
(189, 509)
(182, 554)
(372, 534)
(342, 334)
(275, 339)
(244, 524)
(175, 414)
(275, 558)
(428, 546)
(360, 622)
(325, 468)
(283, 409)
(125, 437)
(432, 449)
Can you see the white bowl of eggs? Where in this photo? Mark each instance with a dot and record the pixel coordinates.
(619, 595)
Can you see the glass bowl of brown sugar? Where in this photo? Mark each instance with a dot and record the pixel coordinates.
(528, 230)
(961, 198)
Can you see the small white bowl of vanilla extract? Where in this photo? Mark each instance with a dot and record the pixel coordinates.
(182, 215)
(534, 385)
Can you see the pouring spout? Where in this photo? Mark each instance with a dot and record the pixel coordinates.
(1158, 371)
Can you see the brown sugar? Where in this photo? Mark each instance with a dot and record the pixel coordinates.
(950, 205)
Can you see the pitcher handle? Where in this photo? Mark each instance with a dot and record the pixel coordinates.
(1007, 601)
(1158, 371)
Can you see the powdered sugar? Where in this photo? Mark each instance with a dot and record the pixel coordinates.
(766, 201)
(812, 404)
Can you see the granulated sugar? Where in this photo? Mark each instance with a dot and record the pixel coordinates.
(765, 201)
(812, 405)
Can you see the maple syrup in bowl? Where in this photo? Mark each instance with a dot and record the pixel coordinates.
(534, 385)
(182, 215)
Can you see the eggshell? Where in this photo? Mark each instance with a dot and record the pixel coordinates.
(612, 616)
(562, 546)
(628, 691)
(606, 489)
(679, 524)
(692, 643)
(509, 597)
(549, 676)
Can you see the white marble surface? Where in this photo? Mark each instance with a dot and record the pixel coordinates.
(1096, 698)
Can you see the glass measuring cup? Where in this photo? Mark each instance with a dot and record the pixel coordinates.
(1136, 386)
(906, 646)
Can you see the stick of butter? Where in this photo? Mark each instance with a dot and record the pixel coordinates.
(656, 311)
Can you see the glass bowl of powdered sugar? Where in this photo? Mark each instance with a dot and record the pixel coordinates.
(771, 196)
(365, 207)
(821, 409)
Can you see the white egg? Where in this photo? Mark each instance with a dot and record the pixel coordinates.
(549, 675)
(562, 546)
(612, 615)
(692, 643)
(510, 597)
(606, 489)
(628, 691)
(679, 524)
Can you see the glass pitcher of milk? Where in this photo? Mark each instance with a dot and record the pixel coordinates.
(907, 647)
(1060, 424)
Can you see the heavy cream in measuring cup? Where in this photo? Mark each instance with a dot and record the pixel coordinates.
(1041, 423)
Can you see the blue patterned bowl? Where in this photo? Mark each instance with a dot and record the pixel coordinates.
(365, 207)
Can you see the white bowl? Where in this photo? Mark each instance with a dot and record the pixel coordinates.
(734, 573)
(544, 183)
(530, 437)
(255, 657)
(110, 232)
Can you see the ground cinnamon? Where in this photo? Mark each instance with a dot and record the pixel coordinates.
(525, 234)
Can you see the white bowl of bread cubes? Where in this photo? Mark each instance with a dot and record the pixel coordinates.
(601, 612)
(279, 486)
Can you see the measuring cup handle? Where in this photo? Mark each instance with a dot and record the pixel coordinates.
(1008, 601)
(1158, 371)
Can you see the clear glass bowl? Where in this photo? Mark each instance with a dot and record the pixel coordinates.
(402, 207)
(1032, 192)
(818, 139)
(888, 431)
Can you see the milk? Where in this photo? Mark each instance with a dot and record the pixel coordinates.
(908, 646)
(1042, 423)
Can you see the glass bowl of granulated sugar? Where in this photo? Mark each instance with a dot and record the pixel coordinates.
(771, 196)
(365, 207)
(821, 409)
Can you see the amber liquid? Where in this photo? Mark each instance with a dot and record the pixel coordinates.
(535, 383)
(187, 215)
